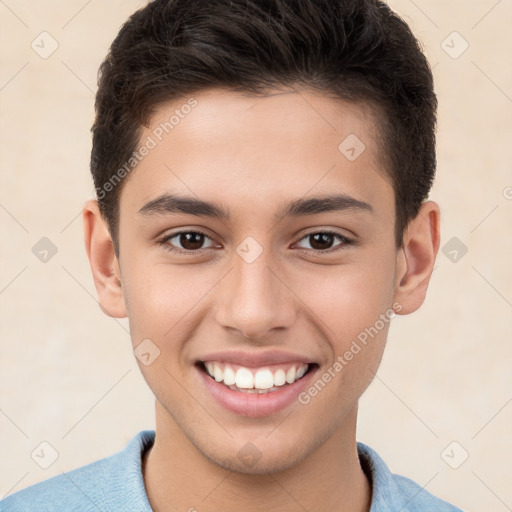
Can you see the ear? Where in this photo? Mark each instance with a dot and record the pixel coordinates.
(103, 261)
(415, 260)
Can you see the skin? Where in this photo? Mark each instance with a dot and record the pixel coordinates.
(254, 154)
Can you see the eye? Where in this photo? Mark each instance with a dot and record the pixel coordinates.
(322, 241)
(191, 241)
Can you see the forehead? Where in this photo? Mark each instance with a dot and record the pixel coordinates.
(255, 150)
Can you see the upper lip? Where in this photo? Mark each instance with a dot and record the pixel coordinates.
(256, 359)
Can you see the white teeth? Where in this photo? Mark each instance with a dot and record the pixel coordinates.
(290, 375)
(229, 376)
(301, 371)
(217, 372)
(279, 378)
(244, 378)
(261, 381)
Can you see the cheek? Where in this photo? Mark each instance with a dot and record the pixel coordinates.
(349, 299)
(161, 298)
(355, 313)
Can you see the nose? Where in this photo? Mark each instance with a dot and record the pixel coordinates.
(255, 299)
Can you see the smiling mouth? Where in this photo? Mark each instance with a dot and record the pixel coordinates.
(266, 379)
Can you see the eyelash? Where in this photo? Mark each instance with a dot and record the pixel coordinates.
(164, 242)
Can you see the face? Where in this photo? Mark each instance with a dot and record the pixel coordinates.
(263, 282)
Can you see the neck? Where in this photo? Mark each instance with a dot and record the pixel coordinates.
(177, 476)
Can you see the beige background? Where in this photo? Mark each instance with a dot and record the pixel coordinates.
(68, 376)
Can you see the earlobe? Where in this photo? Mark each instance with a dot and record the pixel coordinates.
(103, 261)
(415, 261)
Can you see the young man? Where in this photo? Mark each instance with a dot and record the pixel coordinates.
(262, 170)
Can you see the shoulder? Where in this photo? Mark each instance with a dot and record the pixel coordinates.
(101, 485)
(419, 499)
(395, 492)
(79, 489)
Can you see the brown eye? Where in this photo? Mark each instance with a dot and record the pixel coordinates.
(186, 241)
(323, 240)
(191, 241)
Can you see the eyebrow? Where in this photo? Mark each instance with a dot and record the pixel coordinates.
(173, 204)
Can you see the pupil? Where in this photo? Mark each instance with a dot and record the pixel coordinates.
(188, 239)
(319, 237)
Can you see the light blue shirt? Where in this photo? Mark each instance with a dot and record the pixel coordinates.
(115, 484)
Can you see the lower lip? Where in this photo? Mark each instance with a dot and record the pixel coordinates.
(255, 405)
